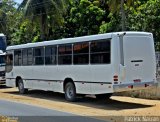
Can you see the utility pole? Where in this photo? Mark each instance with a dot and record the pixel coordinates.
(123, 15)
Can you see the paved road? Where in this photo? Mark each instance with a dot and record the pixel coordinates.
(28, 113)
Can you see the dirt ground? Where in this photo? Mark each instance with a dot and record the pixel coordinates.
(115, 109)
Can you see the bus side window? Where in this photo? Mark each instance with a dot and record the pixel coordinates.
(81, 53)
(24, 57)
(100, 52)
(65, 54)
(17, 58)
(39, 56)
(51, 55)
(9, 62)
(29, 56)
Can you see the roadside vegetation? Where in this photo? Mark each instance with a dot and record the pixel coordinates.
(42, 20)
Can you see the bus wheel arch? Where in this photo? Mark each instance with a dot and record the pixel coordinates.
(17, 79)
(20, 85)
(69, 89)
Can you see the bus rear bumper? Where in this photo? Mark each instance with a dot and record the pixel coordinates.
(134, 86)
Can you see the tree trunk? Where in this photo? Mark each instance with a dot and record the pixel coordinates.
(123, 15)
(42, 27)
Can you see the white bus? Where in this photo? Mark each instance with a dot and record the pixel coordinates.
(99, 64)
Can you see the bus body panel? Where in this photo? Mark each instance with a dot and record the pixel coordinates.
(139, 58)
(55, 75)
(138, 70)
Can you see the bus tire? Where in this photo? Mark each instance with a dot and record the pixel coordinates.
(21, 88)
(70, 92)
(104, 96)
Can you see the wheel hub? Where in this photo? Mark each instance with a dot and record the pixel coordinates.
(70, 92)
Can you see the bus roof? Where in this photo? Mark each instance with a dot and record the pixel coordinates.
(73, 40)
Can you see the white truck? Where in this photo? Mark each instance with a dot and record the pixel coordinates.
(2, 67)
(3, 45)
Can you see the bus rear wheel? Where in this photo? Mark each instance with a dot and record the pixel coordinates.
(21, 88)
(104, 96)
(70, 92)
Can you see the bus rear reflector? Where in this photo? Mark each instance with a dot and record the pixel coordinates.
(130, 86)
(146, 85)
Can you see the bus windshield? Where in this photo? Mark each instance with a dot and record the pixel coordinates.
(2, 43)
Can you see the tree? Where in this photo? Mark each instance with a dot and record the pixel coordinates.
(42, 11)
(7, 17)
(146, 17)
(118, 5)
(84, 18)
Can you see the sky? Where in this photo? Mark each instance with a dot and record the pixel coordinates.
(18, 1)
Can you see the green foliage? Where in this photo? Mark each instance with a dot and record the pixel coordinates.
(145, 17)
(44, 12)
(112, 25)
(85, 18)
(72, 18)
(25, 34)
(7, 17)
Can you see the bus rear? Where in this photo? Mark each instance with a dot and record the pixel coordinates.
(137, 69)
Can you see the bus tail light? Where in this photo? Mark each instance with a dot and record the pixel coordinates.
(115, 78)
